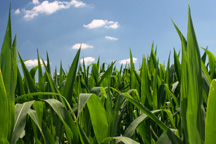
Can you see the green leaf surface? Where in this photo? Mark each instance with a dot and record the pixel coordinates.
(123, 139)
(195, 120)
(130, 131)
(146, 111)
(98, 118)
(68, 89)
(210, 126)
(4, 116)
(21, 111)
(63, 114)
(35, 118)
(27, 75)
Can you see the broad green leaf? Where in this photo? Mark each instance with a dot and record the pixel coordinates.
(184, 78)
(195, 119)
(83, 98)
(123, 139)
(83, 137)
(130, 131)
(6, 58)
(164, 139)
(211, 60)
(146, 111)
(98, 118)
(210, 126)
(21, 111)
(35, 118)
(95, 73)
(65, 117)
(106, 74)
(68, 89)
(62, 113)
(144, 81)
(34, 96)
(47, 133)
(8, 68)
(4, 116)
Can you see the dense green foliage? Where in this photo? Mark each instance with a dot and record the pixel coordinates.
(100, 104)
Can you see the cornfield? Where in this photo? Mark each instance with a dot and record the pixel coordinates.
(100, 104)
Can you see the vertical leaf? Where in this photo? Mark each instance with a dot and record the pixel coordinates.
(27, 75)
(4, 112)
(184, 78)
(40, 75)
(68, 89)
(99, 119)
(210, 127)
(144, 82)
(195, 120)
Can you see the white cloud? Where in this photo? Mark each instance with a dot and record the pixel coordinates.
(32, 63)
(17, 11)
(35, 1)
(83, 46)
(97, 23)
(49, 8)
(87, 60)
(77, 4)
(127, 61)
(111, 38)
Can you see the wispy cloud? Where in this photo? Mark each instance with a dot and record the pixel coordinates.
(35, 1)
(111, 38)
(127, 61)
(17, 11)
(82, 45)
(49, 8)
(87, 60)
(98, 23)
(33, 62)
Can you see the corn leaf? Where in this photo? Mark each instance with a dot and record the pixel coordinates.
(21, 111)
(210, 126)
(130, 131)
(195, 119)
(146, 111)
(35, 118)
(99, 119)
(68, 89)
(4, 117)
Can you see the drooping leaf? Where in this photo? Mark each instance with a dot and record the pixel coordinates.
(146, 111)
(21, 111)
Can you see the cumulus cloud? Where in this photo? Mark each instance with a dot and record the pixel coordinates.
(111, 38)
(35, 1)
(34, 62)
(87, 60)
(83, 46)
(49, 8)
(17, 11)
(98, 23)
(127, 61)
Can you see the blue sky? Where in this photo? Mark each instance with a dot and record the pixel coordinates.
(108, 29)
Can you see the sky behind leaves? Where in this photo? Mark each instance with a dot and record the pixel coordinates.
(108, 29)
